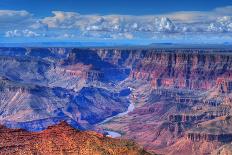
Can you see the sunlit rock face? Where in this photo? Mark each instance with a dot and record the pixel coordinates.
(63, 139)
(178, 95)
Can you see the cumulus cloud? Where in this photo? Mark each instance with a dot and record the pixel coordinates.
(61, 19)
(113, 25)
(109, 23)
(74, 25)
(188, 16)
(21, 33)
(199, 16)
(222, 24)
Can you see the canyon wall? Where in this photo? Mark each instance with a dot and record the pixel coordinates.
(191, 69)
(176, 92)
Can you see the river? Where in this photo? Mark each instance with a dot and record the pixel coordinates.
(129, 109)
(114, 134)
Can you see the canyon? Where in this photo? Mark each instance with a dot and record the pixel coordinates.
(170, 101)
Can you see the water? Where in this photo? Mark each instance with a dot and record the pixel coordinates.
(113, 134)
(129, 109)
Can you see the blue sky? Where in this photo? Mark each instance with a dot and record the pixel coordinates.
(132, 7)
(145, 21)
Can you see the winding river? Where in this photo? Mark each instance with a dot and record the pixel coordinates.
(114, 134)
(130, 108)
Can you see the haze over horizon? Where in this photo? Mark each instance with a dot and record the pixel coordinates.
(130, 22)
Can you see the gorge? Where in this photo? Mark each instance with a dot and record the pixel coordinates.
(170, 101)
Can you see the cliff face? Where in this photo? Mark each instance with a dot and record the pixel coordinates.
(40, 86)
(63, 139)
(191, 69)
(189, 87)
(218, 129)
(174, 93)
(226, 138)
(25, 104)
(107, 72)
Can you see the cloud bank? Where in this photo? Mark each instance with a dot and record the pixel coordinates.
(75, 26)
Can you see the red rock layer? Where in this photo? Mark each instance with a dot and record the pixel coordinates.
(63, 139)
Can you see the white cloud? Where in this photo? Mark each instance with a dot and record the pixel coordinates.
(108, 23)
(14, 19)
(176, 22)
(11, 15)
(73, 25)
(223, 11)
(198, 16)
(122, 36)
(187, 16)
(61, 19)
(21, 33)
(221, 25)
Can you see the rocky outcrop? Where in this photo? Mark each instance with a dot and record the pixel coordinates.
(199, 115)
(225, 138)
(63, 139)
(218, 130)
(186, 118)
(225, 85)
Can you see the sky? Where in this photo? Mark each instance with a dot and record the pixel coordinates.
(124, 21)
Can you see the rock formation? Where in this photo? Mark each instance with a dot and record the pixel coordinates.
(177, 94)
(63, 139)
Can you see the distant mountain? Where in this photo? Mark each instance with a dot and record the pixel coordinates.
(116, 45)
(63, 44)
(177, 45)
